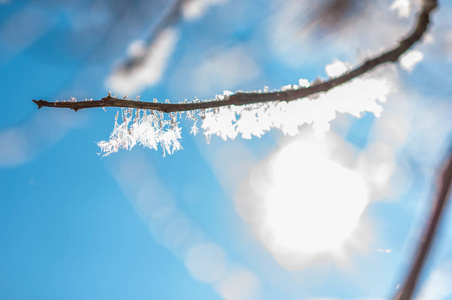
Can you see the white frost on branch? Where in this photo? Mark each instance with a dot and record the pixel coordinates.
(410, 59)
(147, 128)
(405, 8)
(337, 68)
(360, 95)
(151, 129)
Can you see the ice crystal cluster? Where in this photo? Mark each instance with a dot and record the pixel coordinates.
(153, 129)
(148, 128)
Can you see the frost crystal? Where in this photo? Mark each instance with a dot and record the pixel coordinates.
(404, 7)
(337, 68)
(358, 96)
(153, 129)
(148, 128)
(410, 59)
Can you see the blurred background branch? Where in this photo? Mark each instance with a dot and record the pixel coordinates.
(444, 182)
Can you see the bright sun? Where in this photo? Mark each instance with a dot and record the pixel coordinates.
(312, 204)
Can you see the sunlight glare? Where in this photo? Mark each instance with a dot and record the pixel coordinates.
(312, 204)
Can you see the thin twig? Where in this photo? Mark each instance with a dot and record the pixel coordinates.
(169, 19)
(425, 245)
(240, 98)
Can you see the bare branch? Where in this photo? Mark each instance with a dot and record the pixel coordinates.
(171, 18)
(240, 98)
(444, 185)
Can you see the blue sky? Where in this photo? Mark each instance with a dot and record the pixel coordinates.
(206, 221)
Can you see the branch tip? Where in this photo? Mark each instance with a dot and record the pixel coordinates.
(38, 103)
